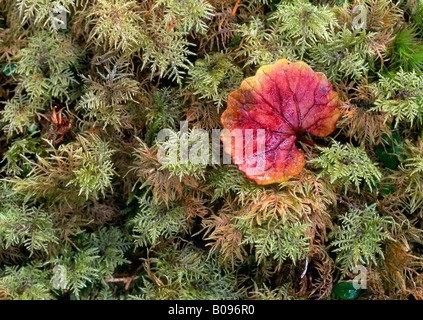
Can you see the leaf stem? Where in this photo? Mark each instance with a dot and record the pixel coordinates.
(307, 141)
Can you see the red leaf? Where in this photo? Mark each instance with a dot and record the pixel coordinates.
(285, 99)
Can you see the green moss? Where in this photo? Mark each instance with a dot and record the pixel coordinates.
(88, 211)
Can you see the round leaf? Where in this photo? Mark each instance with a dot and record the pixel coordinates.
(286, 100)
